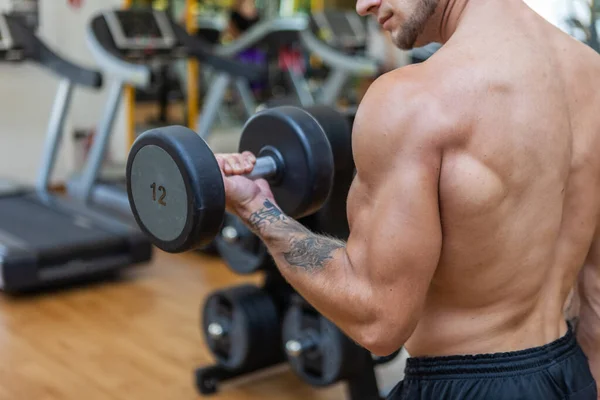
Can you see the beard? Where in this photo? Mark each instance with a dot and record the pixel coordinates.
(406, 37)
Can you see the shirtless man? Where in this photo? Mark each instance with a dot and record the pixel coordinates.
(475, 208)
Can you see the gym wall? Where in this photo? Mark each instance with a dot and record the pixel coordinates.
(27, 93)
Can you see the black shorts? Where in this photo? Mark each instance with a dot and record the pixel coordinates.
(558, 370)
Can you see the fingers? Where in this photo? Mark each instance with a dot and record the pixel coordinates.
(235, 163)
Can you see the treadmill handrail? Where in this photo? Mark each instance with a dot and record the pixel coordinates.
(336, 59)
(37, 51)
(197, 48)
(257, 32)
(134, 74)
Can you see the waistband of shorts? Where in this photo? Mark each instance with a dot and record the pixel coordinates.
(521, 361)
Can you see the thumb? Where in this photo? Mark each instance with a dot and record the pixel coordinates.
(263, 185)
(265, 188)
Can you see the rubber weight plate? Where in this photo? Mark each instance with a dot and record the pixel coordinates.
(318, 352)
(175, 188)
(296, 139)
(241, 327)
(239, 247)
(339, 133)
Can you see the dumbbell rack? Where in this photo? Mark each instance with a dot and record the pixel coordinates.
(249, 255)
(361, 381)
(209, 377)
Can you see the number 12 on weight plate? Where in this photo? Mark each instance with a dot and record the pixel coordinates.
(163, 191)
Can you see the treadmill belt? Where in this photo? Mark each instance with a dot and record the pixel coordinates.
(42, 227)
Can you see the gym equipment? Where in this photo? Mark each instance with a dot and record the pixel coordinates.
(210, 28)
(332, 217)
(176, 189)
(245, 253)
(241, 326)
(337, 38)
(321, 355)
(47, 240)
(242, 251)
(129, 45)
(317, 350)
(270, 34)
(341, 29)
(342, 55)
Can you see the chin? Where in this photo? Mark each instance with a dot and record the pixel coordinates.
(402, 42)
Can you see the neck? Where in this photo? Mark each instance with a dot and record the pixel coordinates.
(445, 21)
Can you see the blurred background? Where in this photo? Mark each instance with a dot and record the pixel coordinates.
(62, 25)
(207, 323)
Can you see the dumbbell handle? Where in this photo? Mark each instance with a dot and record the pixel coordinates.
(295, 348)
(265, 168)
(216, 330)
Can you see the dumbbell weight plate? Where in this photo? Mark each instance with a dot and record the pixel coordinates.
(175, 186)
(332, 357)
(339, 133)
(249, 328)
(242, 251)
(177, 200)
(297, 138)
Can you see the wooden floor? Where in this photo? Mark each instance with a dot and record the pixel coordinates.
(130, 340)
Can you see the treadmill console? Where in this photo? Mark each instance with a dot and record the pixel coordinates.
(140, 29)
(341, 29)
(137, 35)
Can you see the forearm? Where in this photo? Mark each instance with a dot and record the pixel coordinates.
(317, 266)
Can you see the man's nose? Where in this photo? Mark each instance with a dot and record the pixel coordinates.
(366, 7)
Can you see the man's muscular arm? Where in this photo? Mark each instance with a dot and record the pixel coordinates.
(374, 286)
(588, 326)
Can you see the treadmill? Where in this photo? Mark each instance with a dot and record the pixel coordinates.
(341, 29)
(339, 39)
(47, 240)
(343, 36)
(270, 34)
(130, 45)
(210, 28)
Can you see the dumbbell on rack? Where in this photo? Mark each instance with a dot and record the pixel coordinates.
(241, 327)
(322, 355)
(175, 186)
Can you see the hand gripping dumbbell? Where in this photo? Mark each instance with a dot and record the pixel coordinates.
(176, 189)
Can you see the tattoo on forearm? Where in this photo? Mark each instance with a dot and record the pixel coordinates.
(266, 216)
(306, 250)
(312, 252)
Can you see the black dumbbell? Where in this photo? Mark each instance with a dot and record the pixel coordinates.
(242, 327)
(317, 350)
(176, 190)
(242, 251)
